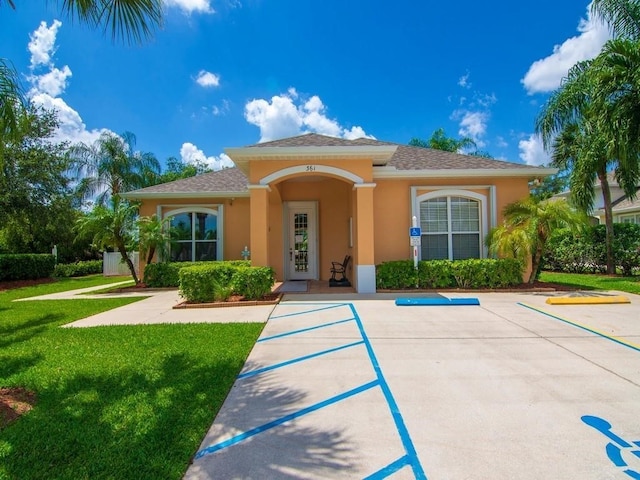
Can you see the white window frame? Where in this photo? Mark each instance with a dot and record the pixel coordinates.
(217, 210)
(634, 217)
(448, 192)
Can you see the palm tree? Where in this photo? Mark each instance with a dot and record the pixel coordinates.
(153, 237)
(440, 141)
(111, 166)
(527, 227)
(12, 102)
(129, 20)
(622, 16)
(112, 226)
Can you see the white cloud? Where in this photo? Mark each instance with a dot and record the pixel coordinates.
(192, 155)
(546, 74)
(532, 152)
(472, 124)
(223, 109)
(42, 43)
(463, 81)
(281, 117)
(208, 79)
(191, 6)
(46, 87)
(501, 142)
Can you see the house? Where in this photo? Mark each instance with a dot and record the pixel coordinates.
(625, 209)
(300, 203)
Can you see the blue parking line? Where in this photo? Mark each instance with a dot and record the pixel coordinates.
(296, 360)
(393, 406)
(333, 305)
(286, 418)
(585, 328)
(302, 330)
(390, 469)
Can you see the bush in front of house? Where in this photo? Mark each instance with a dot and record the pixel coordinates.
(253, 282)
(586, 252)
(470, 273)
(78, 269)
(217, 281)
(26, 266)
(166, 274)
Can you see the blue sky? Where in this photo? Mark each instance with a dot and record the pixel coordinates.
(229, 73)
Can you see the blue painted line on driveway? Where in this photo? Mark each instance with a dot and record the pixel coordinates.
(302, 330)
(254, 431)
(390, 469)
(297, 360)
(295, 314)
(393, 406)
(585, 328)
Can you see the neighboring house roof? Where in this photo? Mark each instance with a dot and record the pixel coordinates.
(625, 204)
(390, 160)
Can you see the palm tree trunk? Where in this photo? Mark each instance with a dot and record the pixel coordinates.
(608, 219)
(125, 258)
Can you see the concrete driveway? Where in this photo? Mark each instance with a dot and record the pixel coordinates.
(362, 388)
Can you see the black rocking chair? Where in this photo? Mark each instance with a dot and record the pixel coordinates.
(340, 270)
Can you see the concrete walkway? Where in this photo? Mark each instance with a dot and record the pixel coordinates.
(513, 388)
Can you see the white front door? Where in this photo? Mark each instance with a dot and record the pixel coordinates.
(301, 255)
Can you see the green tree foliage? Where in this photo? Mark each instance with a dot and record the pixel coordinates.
(440, 141)
(112, 226)
(528, 226)
(622, 16)
(153, 237)
(37, 210)
(177, 170)
(111, 166)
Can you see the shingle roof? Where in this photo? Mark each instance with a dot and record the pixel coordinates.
(233, 180)
(626, 203)
(405, 157)
(228, 180)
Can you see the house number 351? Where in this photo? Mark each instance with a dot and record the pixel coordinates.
(311, 168)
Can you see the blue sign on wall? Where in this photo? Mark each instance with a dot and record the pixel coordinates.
(415, 232)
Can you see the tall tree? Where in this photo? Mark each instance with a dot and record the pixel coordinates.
(527, 227)
(12, 103)
(128, 20)
(622, 16)
(111, 166)
(440, 141)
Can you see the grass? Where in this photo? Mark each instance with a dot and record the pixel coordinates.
(593, 282)
(125, 402)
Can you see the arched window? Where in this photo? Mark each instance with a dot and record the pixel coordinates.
(451, 227)
(194, 235)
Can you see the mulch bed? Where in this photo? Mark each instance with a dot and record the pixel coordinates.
(234, 301)
(23, 283)
(14, 402)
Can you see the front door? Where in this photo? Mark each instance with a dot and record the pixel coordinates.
(301, 255)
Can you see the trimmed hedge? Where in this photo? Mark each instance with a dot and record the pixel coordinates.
(26, 266)
(166, 274)
(253, 282)
(217, 281)
(78, 269)
(471, 273)
(586, 253)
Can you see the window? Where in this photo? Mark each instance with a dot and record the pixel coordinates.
(450, 228)
(194, 236)
(629, 219)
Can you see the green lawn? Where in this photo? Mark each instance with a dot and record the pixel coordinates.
(113, 402)
(593, 282)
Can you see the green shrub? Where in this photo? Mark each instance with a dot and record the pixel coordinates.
(253, 282)
(27, 266)
(436, 274)
(203, 282)
(471, 273)
(78, 269)
(586, 253)
(162, 275)
(396, 274)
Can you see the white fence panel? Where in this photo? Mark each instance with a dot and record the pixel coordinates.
(112, 264)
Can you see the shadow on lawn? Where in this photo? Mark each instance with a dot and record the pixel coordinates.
(128, 425)
(13, 365)
(24, 331)
(284, 452)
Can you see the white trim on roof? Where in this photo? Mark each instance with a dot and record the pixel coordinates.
(466, 173)
(204, 194)
(311, 170)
